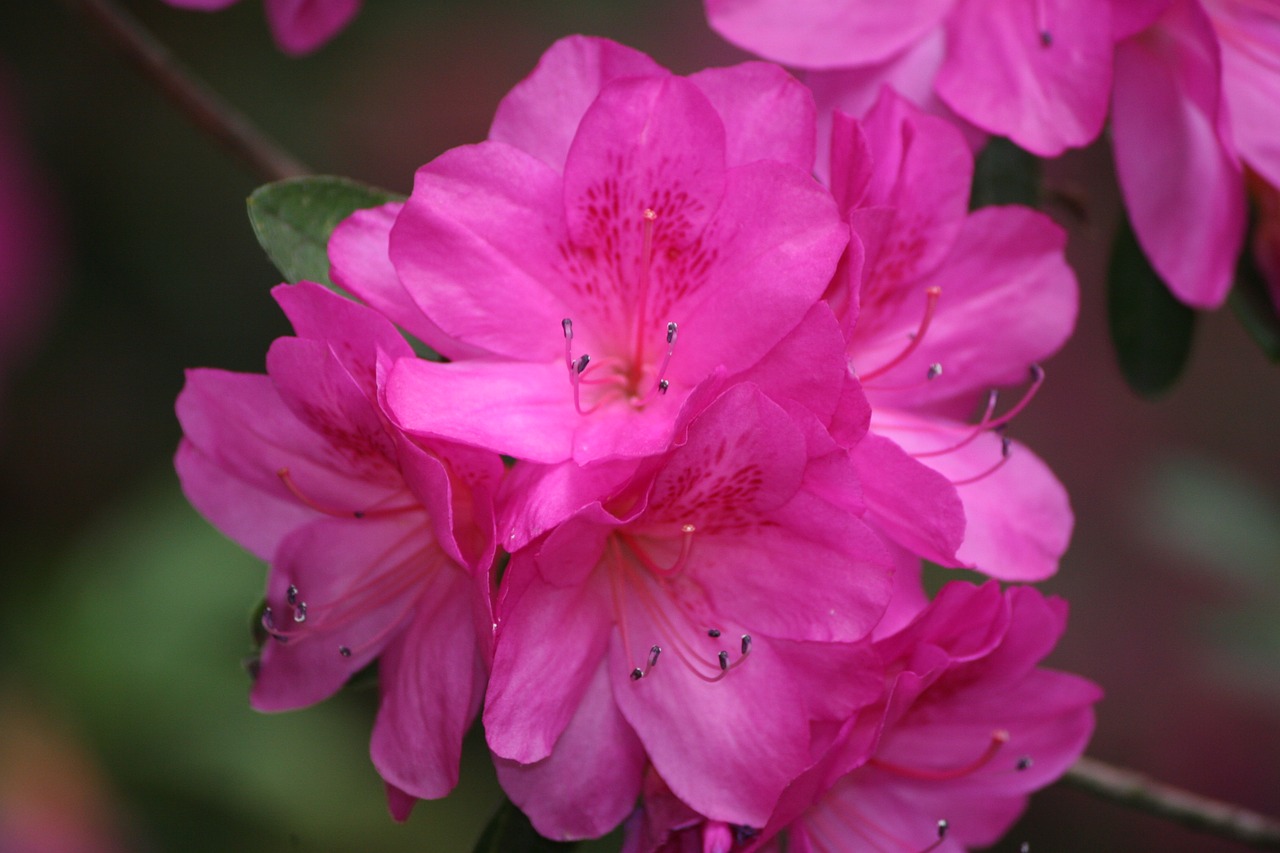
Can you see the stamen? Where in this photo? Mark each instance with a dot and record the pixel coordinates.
(724, 660)
(987, 422)
(1006, 446)
(1024, 763)
(373, 512)
(300, 612)
(1042, 24)
(686, 545)
(935, 370)
(746, 644)
(575, 367)
(943, 826)
(931, 303)
(292, 594)
(646, 258)
(998, 739)
(637, 674)
(344, 651)
(661, 385)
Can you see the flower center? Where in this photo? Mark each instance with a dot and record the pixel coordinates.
(662, 595)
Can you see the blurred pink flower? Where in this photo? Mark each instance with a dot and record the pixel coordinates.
(940, 305)
(379, 547)
(698, 617)
(1038, 72)
(298, 26)
(623, 237)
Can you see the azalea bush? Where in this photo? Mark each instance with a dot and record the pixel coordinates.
(666, 449)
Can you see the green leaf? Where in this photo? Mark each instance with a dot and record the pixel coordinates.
(1005, 174)
(510, 832)
(293, 219)
(1150, 329)
(1252, 304)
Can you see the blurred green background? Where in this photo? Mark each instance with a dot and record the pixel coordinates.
(124, 723)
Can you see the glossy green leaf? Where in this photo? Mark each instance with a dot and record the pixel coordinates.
(293, 219)
(1252, 304)
(1150, 329)
(510, 832)
(1005, 174)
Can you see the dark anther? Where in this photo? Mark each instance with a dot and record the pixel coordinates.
(743, 834)
(746, 643)
(1006, 444)
(344, 651)
(292, 594)
(637, 674)
(671, 333)
(300, 612)
(724, 660)
(713, 633)
(567, 325)
(581, 364)
(1046, 38)
(943, 826)
(1037, 373)
(1024, 763)
(357, 514)
(653, 655)
(268, 619)
(935, 370)
(663, 386)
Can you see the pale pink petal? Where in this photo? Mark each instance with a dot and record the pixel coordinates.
(768, 114)
(1002, 74)
(1007, 300)
(1250, 37)
(301, 26)
(541, 114)
(1182, 183)
(1018, 518)
(476, 248)
(550, 640)
(915, 505)
(829, 33)
(589, 784)
(356, 582)
(360, 263)
(431, 680)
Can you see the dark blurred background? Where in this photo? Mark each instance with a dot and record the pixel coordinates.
(124, 722)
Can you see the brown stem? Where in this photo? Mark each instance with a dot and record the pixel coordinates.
(206, 110)
(1141, 792)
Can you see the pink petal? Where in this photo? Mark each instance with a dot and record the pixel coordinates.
(301, 26)
(360, 263)
(476, 247)
(549, 643)
(1130, 17)
(541, 114)
(589, 784)
(1250, 37)
(826, 33)
(915, 505)
(354, 332)
(807, 368)
(1000, 74)
(1008, 299)
(1018, 518)
(432, 680)
(768, 114)
(325, 561)
(1182, 183)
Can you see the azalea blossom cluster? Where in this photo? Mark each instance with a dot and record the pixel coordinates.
(1192, 88)
(657, 511)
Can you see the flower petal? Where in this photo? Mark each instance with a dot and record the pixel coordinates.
(767, 113)
(301, 26)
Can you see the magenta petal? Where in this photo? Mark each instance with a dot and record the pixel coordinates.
(768, 114)
(911, 502)
(828, 33)
(360, 263)
(323, 561)
(355, 333)
(807, 368)
(549, 641)
(432, 680)
(476, 247)
(1046, 94)
(589, 784)
(1250, 37)
(522, 410)
(541, 114)
(1182, 183)
(301, 26)
(1007, 300)
(1018, 520)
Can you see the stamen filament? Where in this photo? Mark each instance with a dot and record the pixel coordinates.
(1005, 448)
(998, 739)
(686, 544)
(987, 422)
(373, 512)
(646, 258)
(931, 296)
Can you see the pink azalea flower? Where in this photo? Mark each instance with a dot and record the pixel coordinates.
(1037, 72)
(623, 236)
(693, 618)
(379, 547)
(967, 728)
(939, 306)
(298, 26)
